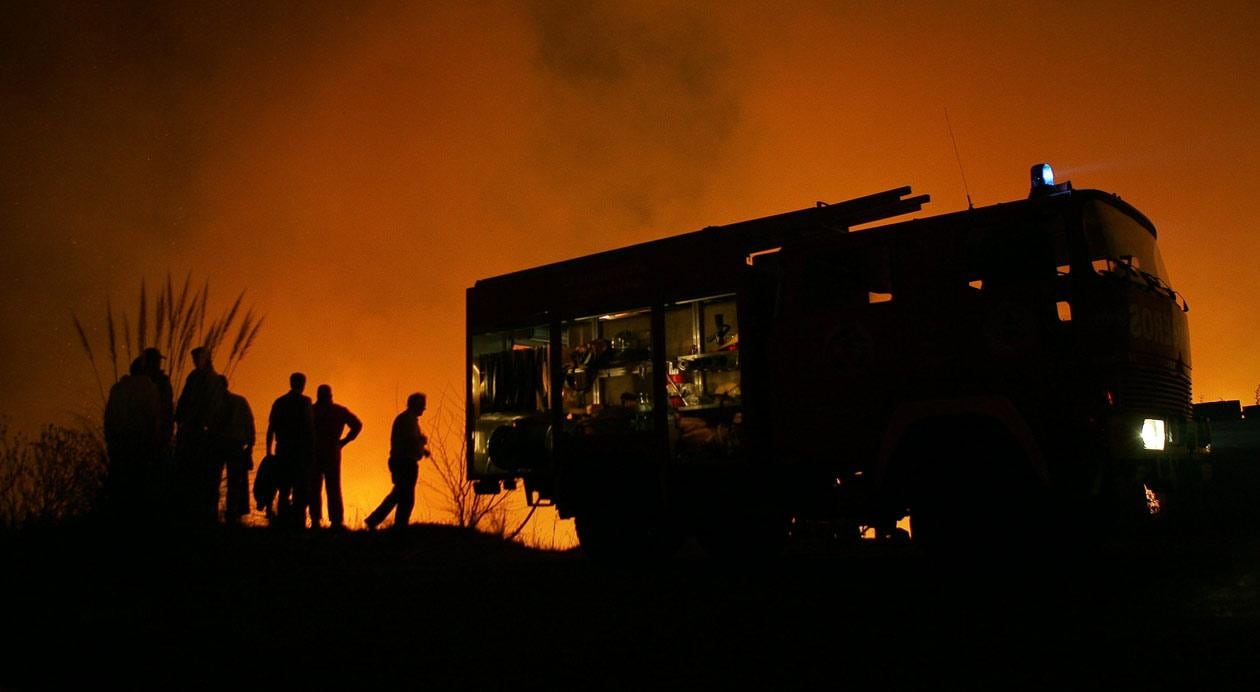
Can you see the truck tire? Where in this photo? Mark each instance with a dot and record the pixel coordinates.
(944, 517)
(621, 525)
(603, 536)
(736, 520)
(748, 536)
(982, 497)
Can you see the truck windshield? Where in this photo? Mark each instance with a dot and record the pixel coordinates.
(1119, 244)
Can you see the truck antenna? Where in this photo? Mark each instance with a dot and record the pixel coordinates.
(966, 190)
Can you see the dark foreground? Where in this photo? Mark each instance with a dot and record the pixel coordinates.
(439, 608)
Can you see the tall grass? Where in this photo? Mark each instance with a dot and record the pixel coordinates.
(180, 322)
(91, 355)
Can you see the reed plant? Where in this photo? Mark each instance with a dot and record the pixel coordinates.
(180, 318)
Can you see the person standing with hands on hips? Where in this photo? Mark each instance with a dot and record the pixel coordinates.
(331, 419)
(407, 446)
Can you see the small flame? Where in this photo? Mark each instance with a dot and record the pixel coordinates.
(1152, 501)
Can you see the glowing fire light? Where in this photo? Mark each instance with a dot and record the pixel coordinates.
(1152, 500)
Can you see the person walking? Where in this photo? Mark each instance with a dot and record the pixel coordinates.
(407, 446)
(291, 439)
(331, 420)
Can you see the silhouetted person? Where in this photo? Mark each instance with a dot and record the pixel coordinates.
(291, 427)
(152, 359)
(198, 408)
(406, 449)
(330, 421)
(234, 445)
(161, 479)
(132, 440)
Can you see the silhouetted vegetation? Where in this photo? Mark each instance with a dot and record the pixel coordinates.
(168, 323)
(449, 447)
(179, 319)
(49, 479)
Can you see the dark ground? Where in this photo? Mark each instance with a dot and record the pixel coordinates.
(439, 608)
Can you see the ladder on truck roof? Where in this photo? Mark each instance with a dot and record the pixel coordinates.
(840, 216)
(695, 262)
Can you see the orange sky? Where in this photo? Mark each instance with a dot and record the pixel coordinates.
(356, 166)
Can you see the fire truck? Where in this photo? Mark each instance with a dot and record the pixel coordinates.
(992, 372)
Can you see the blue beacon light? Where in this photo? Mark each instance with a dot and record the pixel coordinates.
(1042, 175)
(1043, 182)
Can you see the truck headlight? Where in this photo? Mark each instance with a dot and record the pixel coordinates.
(1153, 433)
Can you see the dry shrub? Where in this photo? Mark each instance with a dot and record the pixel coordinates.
(50, 479)
(448, 448)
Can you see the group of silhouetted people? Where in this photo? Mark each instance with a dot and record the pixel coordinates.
(304, 442)
(174, 455)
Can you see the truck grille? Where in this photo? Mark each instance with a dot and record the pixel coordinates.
(1155, 390)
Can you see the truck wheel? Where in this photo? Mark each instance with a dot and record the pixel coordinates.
(941, 520)
(737, 522)
(601, 536)
(749, 535)
(983, 496)
(620, 528)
